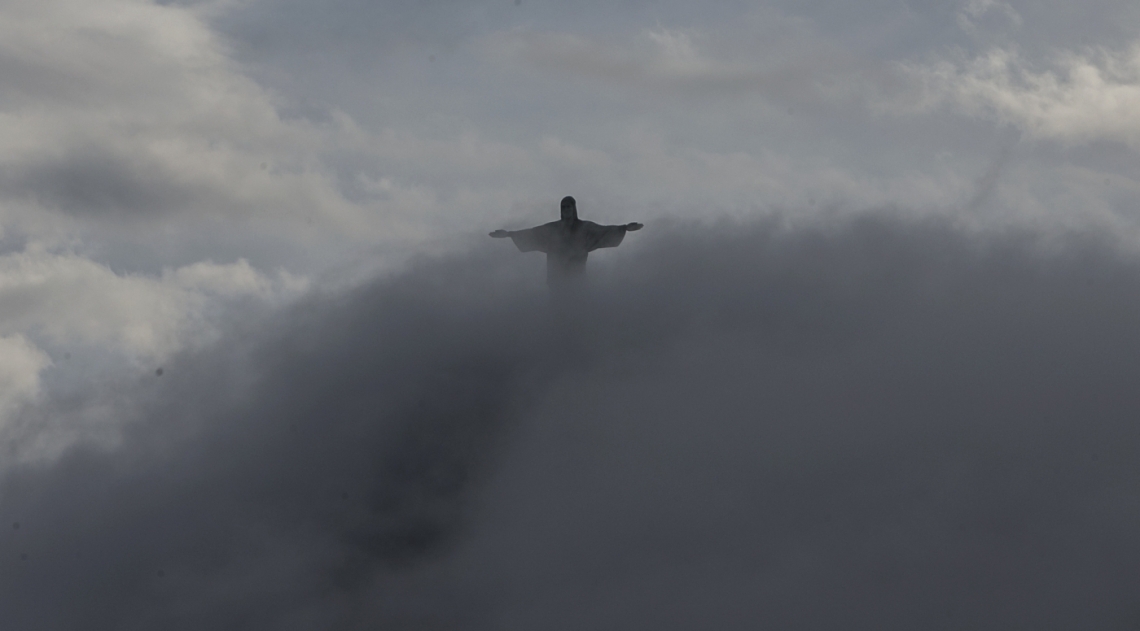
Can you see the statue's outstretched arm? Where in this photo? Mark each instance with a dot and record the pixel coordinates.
(633, 226)
(528, 240)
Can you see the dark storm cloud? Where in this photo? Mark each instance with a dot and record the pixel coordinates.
(358, 26)
(865, 424)
(98, 183)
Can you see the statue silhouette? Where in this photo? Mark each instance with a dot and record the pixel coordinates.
(567, 242)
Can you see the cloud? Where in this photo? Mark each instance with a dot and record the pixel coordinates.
(100, 183)
(102, 327)
(684, 62)
(859, 422)
(976, 11)
(71, 300)
(657, 55)
(1085, 97)
(20, 366)
(913, 423)
(126, 118)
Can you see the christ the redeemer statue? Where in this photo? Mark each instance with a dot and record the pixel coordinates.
(567, 242)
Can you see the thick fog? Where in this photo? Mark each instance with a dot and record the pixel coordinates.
(862, 423)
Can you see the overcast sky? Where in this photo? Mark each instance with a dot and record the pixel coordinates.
(868, 365)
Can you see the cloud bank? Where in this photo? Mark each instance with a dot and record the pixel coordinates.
(873, 423)
(293, 143)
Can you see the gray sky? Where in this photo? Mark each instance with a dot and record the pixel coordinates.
(868, 362)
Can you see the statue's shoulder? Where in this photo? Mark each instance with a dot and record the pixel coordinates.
(553, 227)
(545, 228)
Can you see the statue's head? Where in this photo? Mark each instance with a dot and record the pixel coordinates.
(569, 209)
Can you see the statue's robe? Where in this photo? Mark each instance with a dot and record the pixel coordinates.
(567, 244)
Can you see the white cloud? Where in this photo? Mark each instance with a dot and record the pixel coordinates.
(234, 280)
(103, 327)
(69, 300)
(1084, 97)
(20, 365)
(976, 11)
